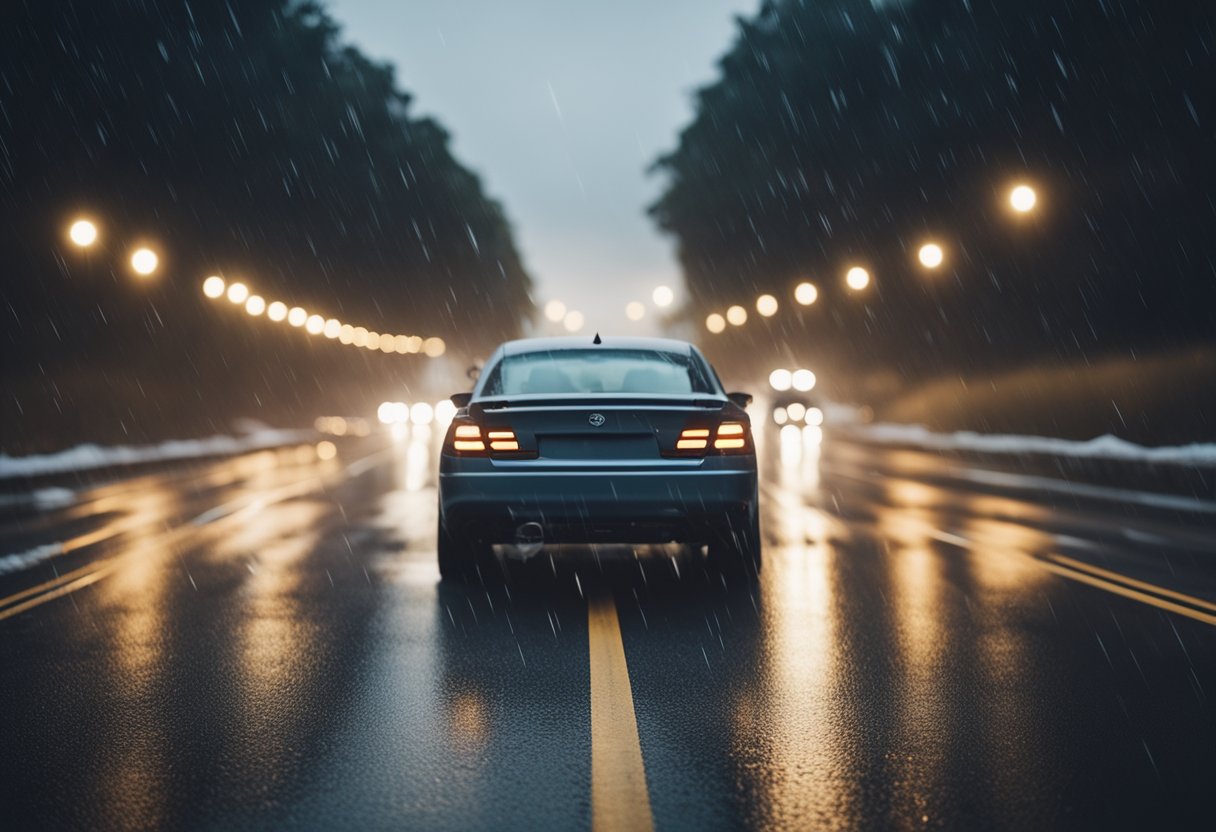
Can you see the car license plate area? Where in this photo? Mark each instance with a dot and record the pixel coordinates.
(642, 446)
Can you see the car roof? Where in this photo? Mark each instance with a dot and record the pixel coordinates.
(608, 342)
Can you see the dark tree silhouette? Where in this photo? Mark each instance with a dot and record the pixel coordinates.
(849, 130)
(244, 139)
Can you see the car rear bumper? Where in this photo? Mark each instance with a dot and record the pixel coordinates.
(649, 506)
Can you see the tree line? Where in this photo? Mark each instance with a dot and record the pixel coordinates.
(243, 139)
(848, 131)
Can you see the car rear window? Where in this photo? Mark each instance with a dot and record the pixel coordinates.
(544, 372)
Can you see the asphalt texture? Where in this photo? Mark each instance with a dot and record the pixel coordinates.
(263, 642)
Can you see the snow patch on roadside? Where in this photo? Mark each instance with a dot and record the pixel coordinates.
(23, 560)
(1103, 447)
(42, 499)
(86, 457)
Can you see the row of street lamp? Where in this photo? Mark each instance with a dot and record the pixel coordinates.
(144, 261)
(255, 306)
(84, 234)
(931, 255)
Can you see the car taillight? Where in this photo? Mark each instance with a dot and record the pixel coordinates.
(731, 437)
(502, 440)
(693, 439)
(467, 439)
(470, 439)
(726, 438)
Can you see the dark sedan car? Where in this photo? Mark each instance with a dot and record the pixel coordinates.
(615, 440)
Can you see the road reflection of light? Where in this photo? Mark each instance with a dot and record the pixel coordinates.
(468, 721)
(418, 459)
(133, 602)
(791, 446)
(792, 727)
(152, 552)
(800, 452)
(277, 640)
(1008, 663)
(919, 584)
(921, 747)
(906, 494)
(408, 505)
(796, 720)
(944, 544)
(1003, 560)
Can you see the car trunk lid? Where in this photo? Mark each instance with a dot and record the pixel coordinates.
(597, 429)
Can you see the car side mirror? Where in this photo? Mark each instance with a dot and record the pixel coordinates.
(741, 399)
(461, 399)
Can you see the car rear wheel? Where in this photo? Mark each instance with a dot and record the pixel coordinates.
(737, 550)
(463, 559)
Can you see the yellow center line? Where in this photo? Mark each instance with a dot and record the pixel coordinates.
(1124, 579)
(619, 797)
(1126, 592)
(80, 583)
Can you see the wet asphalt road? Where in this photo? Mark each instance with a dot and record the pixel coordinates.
(263, 642)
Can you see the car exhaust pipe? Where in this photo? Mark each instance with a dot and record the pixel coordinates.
(529, 539)
(530, 533)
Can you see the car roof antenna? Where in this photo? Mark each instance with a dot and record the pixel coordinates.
(597, 339)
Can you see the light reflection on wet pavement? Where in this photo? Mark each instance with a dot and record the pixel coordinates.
(263, 642)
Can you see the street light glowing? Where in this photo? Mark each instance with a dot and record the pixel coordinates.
(806, 293)
(574, 321)
(715, 323)
(314, 324)
(1023, 198)
(277, 311)
(931, 255)
(736, 316)
(434, 347)
(422, 413)
(144, 261)
(795, 411)
(373, 341)
(766, 305)
(238, 293)
(296, 316)
(445, 411)
(780, 380)
(83, 233)
(360, 337)
(326, 450)
(333, 327)
(663, 296)
(347, 334)
(213, 286)
(802, 380)
(857, 278)
(386, 413)
(255, 306)
(635, 311)
(555, 310)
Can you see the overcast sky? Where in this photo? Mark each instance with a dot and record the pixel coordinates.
(560, 106)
